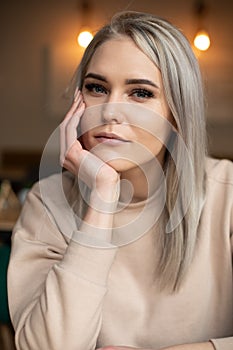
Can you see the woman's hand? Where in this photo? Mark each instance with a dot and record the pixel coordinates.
(98, 176)
(102, 179)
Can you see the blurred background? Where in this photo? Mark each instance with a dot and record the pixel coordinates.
(39, 55)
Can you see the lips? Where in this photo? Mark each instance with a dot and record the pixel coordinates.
(109, 137)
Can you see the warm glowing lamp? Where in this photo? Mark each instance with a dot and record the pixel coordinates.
(202, 40)
(84, 38)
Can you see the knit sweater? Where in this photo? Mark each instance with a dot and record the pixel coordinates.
(65, 294)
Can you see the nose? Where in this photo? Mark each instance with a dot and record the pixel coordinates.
(112, 112)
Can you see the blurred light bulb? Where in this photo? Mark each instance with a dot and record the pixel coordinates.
(202, 40)
(84, 38)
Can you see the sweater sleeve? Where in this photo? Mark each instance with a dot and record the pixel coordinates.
(56, 290)
(226, 343)
(223, 343)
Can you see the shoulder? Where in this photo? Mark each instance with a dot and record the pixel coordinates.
(219, 171)
(55, 189)
(219, 191)
(55, 184)
(47, 207)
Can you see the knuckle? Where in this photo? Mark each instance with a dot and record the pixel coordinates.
(71, 155)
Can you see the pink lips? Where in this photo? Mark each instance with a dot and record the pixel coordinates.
(110, 138)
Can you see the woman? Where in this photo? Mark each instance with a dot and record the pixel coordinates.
(132, 249)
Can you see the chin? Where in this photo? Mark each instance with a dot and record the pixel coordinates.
(121, 165)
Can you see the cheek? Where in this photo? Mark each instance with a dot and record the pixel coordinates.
(91, 118)
(149, 122)
(152, 130)
(93, 101)
(87, 99)
(149, 141)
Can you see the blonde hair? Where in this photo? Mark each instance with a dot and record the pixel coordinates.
(168, 48)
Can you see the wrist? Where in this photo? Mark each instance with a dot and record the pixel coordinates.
(105, 198)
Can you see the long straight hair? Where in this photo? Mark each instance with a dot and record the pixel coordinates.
(170, 51)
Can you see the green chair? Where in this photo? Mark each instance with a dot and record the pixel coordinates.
(4, 260)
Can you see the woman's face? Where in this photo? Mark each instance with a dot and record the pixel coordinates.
(124, 91)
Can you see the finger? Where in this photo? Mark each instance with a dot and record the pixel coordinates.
(72, 125)
(65, 144)
(73, 158)
(63, 126)
(68, 128)
(77, 102)
(78, 98)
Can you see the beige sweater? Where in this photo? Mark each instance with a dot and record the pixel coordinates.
(65, 295)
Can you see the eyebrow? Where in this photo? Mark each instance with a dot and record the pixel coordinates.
(128, 81)
(95, 76)
(141, 81)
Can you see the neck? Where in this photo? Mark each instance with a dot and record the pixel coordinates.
(141, 182)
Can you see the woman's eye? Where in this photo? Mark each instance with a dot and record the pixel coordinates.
(96, 88)
(142, 93)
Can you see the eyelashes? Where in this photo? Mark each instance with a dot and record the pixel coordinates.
(138, 93)
(96, 88)
(142, 93)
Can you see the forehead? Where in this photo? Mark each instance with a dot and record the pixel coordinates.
(122, 56)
